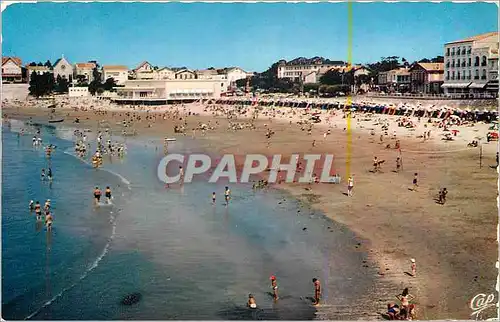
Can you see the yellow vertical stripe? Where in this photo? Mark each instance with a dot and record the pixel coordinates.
(349, 97)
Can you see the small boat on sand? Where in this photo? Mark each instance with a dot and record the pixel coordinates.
(59, 120)
(171, 139)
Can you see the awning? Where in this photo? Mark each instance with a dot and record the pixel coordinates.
(492, 85)
(476, 85)
(455, 85)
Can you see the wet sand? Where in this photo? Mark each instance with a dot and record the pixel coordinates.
(454, 244)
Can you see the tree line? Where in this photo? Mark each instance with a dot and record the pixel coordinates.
(333, 81)
(42, 84)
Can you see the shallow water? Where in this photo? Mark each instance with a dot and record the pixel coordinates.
(188, 258)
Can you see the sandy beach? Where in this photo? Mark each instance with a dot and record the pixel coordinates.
(454, 244)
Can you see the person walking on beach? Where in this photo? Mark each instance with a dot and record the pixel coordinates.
(274, 286)
(107, 193)
(350, 185)
(398, 164)
(97, 195)
(213, 198)
(227, 195)
(415, 182)
(317, 291)
(413, 267)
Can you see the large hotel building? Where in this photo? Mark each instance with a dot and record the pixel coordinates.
(471, 66)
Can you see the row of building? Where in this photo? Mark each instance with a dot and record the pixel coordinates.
(470, 68)
(14, 71)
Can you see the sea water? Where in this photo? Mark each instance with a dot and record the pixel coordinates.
(189, 259)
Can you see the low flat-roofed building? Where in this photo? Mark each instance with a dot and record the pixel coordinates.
(118, 72)
(162, 91)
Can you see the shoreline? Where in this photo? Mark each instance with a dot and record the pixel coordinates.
(397, 262)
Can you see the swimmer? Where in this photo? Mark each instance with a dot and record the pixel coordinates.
(32, 205)
(317, 291)
(213, 198)
(227, 195)
(251, 302)
(48, 221)
(108, 194)
(43, 174)
(49, 174)
(97, 195)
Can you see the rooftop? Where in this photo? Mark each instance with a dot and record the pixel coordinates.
(115, 67)
(475, 38)
(85, 65)
(432, 66)
(16, 60)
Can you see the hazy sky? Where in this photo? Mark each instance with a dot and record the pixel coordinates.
(252, 36)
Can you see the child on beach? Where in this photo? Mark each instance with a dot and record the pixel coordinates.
(97, 195)
(405, 297)
(413, 267)
(350, 185)
(398, 164)
(227, 195)
(415, 182)
(108, 194)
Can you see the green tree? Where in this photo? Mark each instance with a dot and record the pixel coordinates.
(32, 63)
(41, 85)
(48, 64)
(96, 75)
(81, 80)
(62, 85)
(331, 77)
(109, 84)
(94, 86)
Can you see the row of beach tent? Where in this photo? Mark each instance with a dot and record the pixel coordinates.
(402, 109)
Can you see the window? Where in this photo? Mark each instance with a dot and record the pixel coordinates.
(463, 63)
(447, 75)
(458, 62)
(453, 51)
(470, 75)
(469, 49)
(470, 62)
(463, 50)
(452, 75)
(476, 61)
(453, 63)
(458, 75)
(484, 74)
(448, 64)
(476, 75)
(483, 61)
(447, 51)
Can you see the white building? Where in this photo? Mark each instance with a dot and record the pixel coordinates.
(471, 66)
(118, 72)
(78, 92)
(12, 70)
(165, 73)
(84, 71)
(185, 74)
(235, 73)
(162, 91)
(145, 71)
(63, 68)
(297, 69)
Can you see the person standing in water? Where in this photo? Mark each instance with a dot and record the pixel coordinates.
(213, 197)
(48, 221)
(108, 194)
(274, 286)
(43, 174)
(227, 195)
(32, 205)
(38, 210)
(49, 174)
(97, 195)
(317, 291)
(251, 302)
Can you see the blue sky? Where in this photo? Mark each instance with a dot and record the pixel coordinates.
(252, 36)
